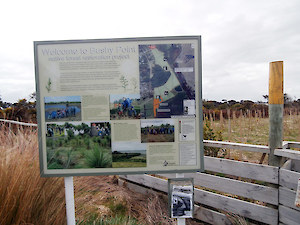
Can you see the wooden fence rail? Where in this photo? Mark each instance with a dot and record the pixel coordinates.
(238, 146)
(19, 123)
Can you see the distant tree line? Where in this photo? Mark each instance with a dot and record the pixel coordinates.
(231, 108)
(24, 110)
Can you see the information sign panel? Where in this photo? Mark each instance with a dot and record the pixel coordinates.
(119, 106)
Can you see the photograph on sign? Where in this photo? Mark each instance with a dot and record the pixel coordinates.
(63, 108)
(74, 145)
(161, 130)
(125, 106)
(118, 106)
(129, 154)
(181, 192)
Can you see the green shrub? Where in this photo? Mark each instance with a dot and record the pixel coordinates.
(70, 133)
(97, 158)
(117, 208)
(209, 134)
(87, 142)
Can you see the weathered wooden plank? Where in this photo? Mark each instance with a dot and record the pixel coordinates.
(135, 187)
(238, 146)
(285, 144)
(246, 209)
(288, 178)
(287, 165)
(148, 181)
(287, 198)
(243, 208)
(293, 144)
(210, 216)
(242, 169)
(288, 215)
(295, 165)
(235, 187)
(289, 153)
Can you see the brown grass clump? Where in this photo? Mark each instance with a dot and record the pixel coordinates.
(102, 196)
(25, 197)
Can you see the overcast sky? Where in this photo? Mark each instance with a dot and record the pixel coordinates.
(239, 38)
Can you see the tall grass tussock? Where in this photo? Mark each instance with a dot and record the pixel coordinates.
(25, 197)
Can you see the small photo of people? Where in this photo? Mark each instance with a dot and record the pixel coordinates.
(124, 106)
(100, 129)
(62, 108)
(157, 130)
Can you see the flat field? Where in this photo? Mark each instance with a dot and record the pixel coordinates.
(157, 138)
(250, 130)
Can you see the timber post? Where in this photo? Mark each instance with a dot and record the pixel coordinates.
(276, 102)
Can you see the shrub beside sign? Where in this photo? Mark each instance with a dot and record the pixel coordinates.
(119, 106)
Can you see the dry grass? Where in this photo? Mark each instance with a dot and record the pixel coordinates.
(236, 219)
(250, 130)
(256, 130)
(101, 196)
(25, 198)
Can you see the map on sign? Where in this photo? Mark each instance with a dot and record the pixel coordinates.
(167, 78)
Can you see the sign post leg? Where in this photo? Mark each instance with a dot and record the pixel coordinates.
(180, 221)
(70, 203)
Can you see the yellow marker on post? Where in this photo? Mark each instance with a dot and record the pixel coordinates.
(276, 102)
(276, 83)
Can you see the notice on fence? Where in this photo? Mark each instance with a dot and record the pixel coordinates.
(181, 201)
(119, 106)
(297, 200)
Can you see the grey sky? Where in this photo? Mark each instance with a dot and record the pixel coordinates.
(239, 38)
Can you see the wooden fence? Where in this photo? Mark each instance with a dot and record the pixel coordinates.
(260, 193)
